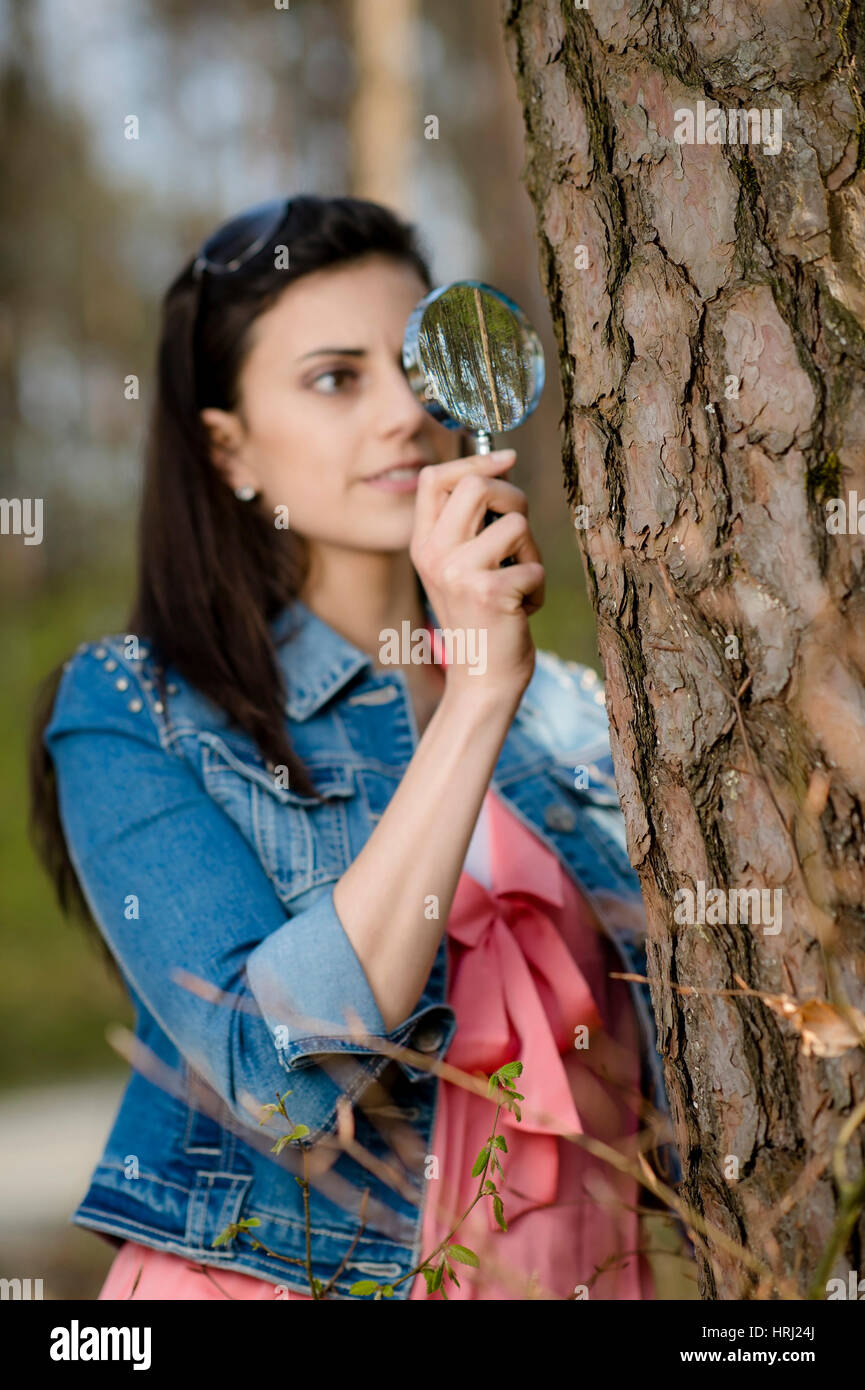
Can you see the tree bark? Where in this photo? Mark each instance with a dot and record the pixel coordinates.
(713, 367)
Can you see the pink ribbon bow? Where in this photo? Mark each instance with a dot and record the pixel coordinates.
(517, 992)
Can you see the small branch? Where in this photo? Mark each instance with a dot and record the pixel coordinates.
(344, 1261)
(418, 1267)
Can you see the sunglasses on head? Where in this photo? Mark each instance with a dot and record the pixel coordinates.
(239, 240)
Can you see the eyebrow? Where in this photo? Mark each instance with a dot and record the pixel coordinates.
(333, 352)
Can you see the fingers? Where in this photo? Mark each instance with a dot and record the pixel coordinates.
(462, 515)
(509, 535)
(452, 548)
(437, 481)
(517, 586)
(528, 580)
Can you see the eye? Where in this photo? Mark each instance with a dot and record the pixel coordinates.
(332, 373)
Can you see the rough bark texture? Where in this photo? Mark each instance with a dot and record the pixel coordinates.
(707, 520)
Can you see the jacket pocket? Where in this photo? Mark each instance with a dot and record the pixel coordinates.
(301, 842)
(215, 1201)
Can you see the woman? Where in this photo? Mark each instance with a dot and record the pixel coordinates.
(242, 788)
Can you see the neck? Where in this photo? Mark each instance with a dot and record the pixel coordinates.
(359, 593)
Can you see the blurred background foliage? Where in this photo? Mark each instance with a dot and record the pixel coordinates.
(235, 103)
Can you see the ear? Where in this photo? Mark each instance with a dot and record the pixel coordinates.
(226, 446)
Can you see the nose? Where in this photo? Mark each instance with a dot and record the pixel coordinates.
(401, 411)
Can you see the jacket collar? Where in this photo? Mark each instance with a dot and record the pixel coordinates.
(315, 660)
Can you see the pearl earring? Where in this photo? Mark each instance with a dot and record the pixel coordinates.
(245, 493)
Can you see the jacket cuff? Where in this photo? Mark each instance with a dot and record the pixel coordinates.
(304, 976)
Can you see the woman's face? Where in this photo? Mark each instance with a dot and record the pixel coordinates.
(325, 412)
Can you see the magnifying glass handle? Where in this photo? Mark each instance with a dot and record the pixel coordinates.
(483, 445)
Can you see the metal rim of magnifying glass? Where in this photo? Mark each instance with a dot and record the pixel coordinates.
(417, 378)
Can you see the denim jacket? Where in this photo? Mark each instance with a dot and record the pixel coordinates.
(194, 856)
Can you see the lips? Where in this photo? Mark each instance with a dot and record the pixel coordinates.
(402, 477)
(399, 471)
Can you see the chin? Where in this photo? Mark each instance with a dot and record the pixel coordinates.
(385, 533)
(386, 541)
(389, 545)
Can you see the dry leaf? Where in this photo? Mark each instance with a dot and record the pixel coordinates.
(823, 1030)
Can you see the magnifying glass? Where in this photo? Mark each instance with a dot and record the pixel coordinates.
(474, 362)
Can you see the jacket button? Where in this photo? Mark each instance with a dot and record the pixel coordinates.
(559, 817)
(427, 1037)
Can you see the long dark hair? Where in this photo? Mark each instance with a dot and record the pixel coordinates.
(212, 571)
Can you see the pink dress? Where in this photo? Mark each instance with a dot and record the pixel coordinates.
(527, 966)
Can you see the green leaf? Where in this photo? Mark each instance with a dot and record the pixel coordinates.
(481, 1161)
(437, 1276)
(499, 1211)
(388, 1290)
(489, 1186)
(445, 1294)
(464, 1255)
(499, 1142)
(271, 1109)
(232, 1229)
(429, 1275)
(296, 1133)
(511, 1069)
(364, 1286)
(317, 1284)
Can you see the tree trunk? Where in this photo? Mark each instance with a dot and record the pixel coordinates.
(709, 302)
(385, 123)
